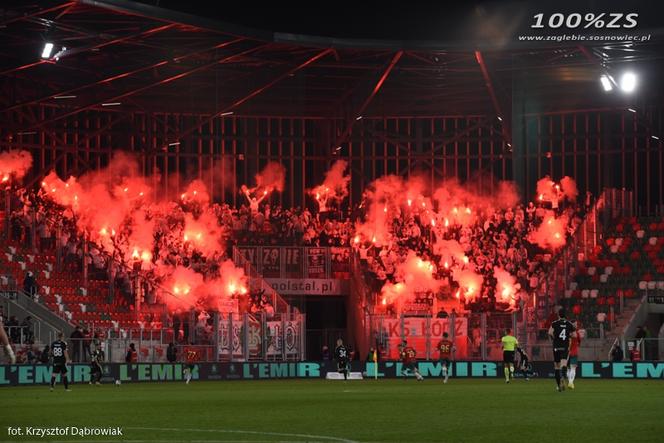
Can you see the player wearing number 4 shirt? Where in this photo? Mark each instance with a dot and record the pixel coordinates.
(60, 358)
(341, 356)
(561, 331)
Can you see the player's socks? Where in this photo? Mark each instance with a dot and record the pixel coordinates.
(65, 380)
(511, 371)
(563, 374)
(10, 353)
(445, 374)
(557, 372)
(506, 370)
(571, 375)
(345, 375)
(52, 382)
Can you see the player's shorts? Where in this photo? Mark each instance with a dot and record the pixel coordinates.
(59, 368)
(342, 365)
(445, 361)
(573, 359)
(560, 354)
(508, 357)
(408, 366)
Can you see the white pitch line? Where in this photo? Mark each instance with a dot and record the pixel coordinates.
(233, 431)
(178, 440)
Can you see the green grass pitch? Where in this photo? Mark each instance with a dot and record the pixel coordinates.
(337, 411)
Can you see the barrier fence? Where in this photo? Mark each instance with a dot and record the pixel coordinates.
(219, 337)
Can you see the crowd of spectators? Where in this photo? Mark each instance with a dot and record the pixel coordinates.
(497, 239)
(19, 331)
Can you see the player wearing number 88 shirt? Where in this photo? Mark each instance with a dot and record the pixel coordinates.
(561, 331)
(60, 358)
(341, 356)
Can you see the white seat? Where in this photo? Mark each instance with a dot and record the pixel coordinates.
(640, 233)
(608, 270)
(585, 293)
(31, 258)
(84, 307)
(660, 285)
(83, 291)
(652, 284)
(614, 249)
(594, 293)
(12, 249)
(603, 278)
(592, 270)
(568, 293)
(642, 285)
(46, 289)
(23, 265)
(619, 241)
(652, 240)
(47, 274)
(49, 266)
(10, 257)
(573, 286)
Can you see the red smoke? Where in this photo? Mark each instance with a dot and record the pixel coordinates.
(569, 188)
(196, 192)
(115, 208)
(470, 283)
(506, 286)
(414, 275)
(14, 164)
(271, 178)
(551, 233)
(334, 187)
(549, 191)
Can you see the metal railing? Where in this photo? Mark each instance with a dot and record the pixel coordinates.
(258, 284)
(229, 337)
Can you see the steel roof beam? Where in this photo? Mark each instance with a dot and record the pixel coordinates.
(115, 77)
(504, 120)
(254, 93)
(358, 113)
(152, 85)
(95, 46)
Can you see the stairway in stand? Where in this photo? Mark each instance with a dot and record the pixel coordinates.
(64, 292)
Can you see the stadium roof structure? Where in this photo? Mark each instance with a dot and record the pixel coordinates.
(156, 59)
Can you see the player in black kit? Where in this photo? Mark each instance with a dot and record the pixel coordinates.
(95, 366)
(60, 358)
(524, 364)
(341, 355)
(561, 331)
